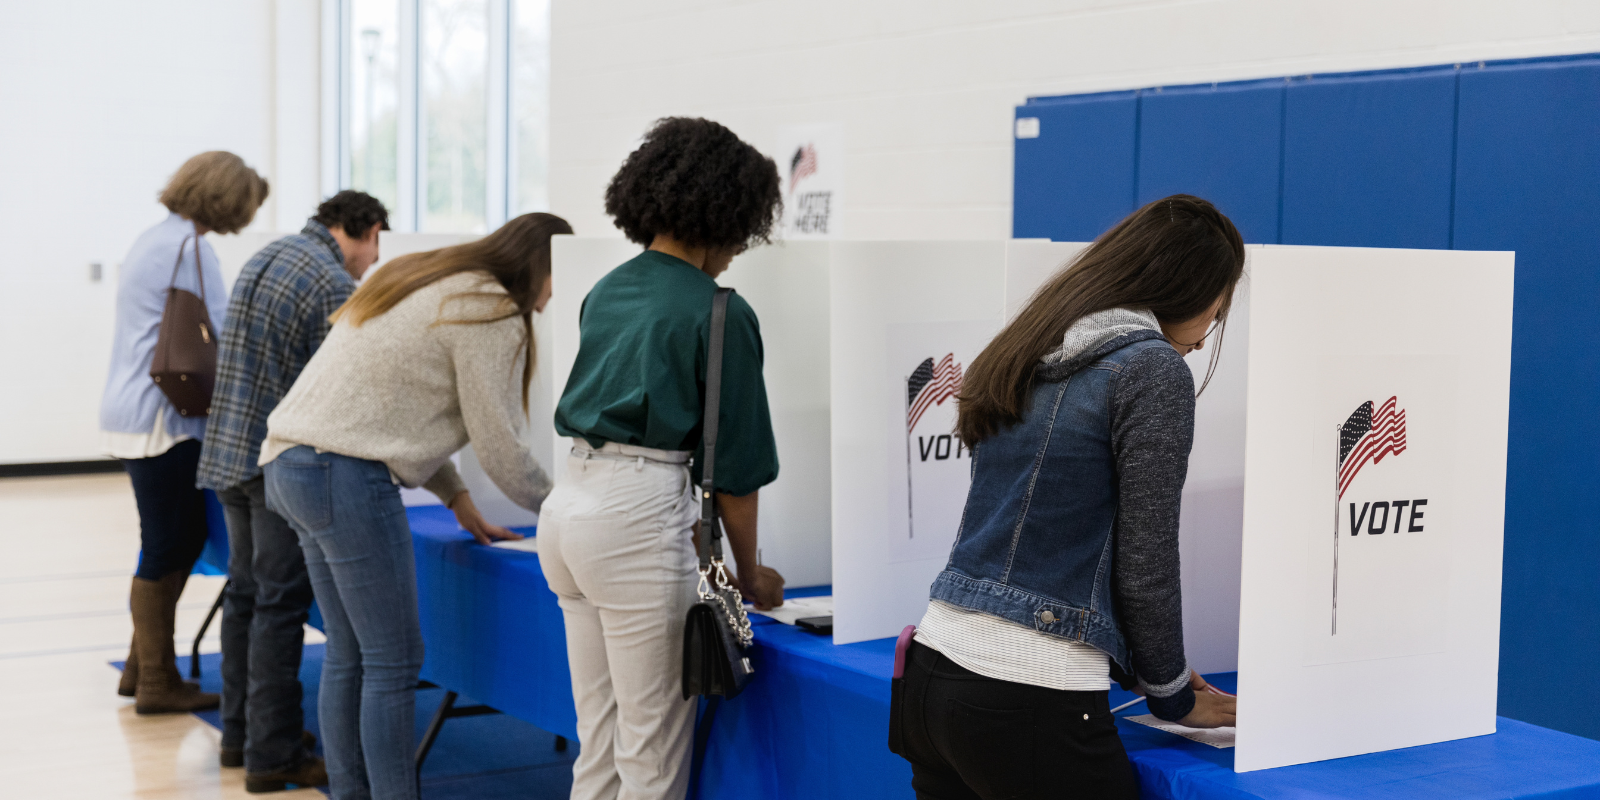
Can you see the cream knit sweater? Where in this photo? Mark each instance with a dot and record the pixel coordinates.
(408, 388)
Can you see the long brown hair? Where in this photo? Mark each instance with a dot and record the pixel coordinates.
(517, 255)
(1174, 257)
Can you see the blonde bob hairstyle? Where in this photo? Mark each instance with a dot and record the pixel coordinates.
(217, 190)
(517, 256)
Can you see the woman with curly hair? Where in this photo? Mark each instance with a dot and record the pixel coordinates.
(616, 535)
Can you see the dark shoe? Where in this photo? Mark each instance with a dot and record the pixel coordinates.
(159, 688)
(310, 772)
(235, 758)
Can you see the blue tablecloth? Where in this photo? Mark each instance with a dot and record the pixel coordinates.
(814, 722)
(490, 624)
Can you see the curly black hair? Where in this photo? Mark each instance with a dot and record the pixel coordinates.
(353, 212)
(696, 181)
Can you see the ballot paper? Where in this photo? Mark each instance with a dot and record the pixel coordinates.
(1220, 738)
(528, 544)
(797, 608)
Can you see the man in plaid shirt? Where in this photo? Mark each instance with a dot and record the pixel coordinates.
(277, 317)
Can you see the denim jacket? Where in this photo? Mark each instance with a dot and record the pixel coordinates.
(1070, 526)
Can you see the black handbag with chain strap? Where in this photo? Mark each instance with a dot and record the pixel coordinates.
(716, 635)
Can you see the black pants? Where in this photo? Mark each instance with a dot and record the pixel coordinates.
(263, 632)
(172, 512)
(970, 737)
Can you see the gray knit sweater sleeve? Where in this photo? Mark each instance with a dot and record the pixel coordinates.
(1152, 428)
(488, 359)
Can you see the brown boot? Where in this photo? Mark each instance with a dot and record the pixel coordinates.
(160, 689)
(309, 772)
(130, 671)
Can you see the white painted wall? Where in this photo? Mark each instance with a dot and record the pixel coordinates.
(925, 88)
(103, 100)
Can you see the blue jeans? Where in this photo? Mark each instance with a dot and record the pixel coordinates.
(358, 551)
(264, 614)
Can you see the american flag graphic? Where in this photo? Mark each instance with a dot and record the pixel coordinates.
(1366, 437)
(803, 164)
(930, 385)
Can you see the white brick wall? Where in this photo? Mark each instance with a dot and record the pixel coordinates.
(925, 88)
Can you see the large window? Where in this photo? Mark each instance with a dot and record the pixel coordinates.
(530, 106)
(373, 43)
(443, 109)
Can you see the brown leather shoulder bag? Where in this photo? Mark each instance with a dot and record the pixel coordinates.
(185, 362)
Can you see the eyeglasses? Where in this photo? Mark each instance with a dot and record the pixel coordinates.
(1216, 323)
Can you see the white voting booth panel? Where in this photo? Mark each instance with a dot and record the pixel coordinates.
(907, 317)
(1374, 503)
(787, 285)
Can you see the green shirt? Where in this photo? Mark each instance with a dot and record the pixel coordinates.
(640, 375)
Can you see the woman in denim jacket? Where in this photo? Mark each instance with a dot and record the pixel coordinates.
(1064, 574)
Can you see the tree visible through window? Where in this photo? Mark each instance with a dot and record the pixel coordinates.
(454, 79)
(418, 82)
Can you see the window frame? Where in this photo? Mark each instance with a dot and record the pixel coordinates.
(337, 112)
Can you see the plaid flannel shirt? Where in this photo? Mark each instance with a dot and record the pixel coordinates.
(277, 317)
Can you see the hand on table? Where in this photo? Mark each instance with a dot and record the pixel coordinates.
(765, 589)
(473, 522)
(1210, 711)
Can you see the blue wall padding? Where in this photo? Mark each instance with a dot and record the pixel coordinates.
(1222, 143)
(1528, 179)
(1076, 179)
(1368, 160)
(1498, 157)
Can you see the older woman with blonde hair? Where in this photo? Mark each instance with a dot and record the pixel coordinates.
(159, 444)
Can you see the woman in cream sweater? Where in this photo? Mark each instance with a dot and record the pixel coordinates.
(432, 352)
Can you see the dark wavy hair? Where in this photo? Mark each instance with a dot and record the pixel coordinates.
(353, 212)
(697, 182)
(1174, 257)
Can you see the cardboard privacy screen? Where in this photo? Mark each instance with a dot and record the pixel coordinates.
(1374, 500)
(1344, 506)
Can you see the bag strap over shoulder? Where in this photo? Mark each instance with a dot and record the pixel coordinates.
(711, 533)
(198, 271)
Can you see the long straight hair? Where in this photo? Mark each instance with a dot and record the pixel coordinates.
(517, 255)
(1174, 257)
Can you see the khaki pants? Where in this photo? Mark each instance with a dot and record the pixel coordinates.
(615, 545)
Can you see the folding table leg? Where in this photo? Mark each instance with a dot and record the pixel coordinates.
(447, 710)
(194, 652)
(434, 726)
